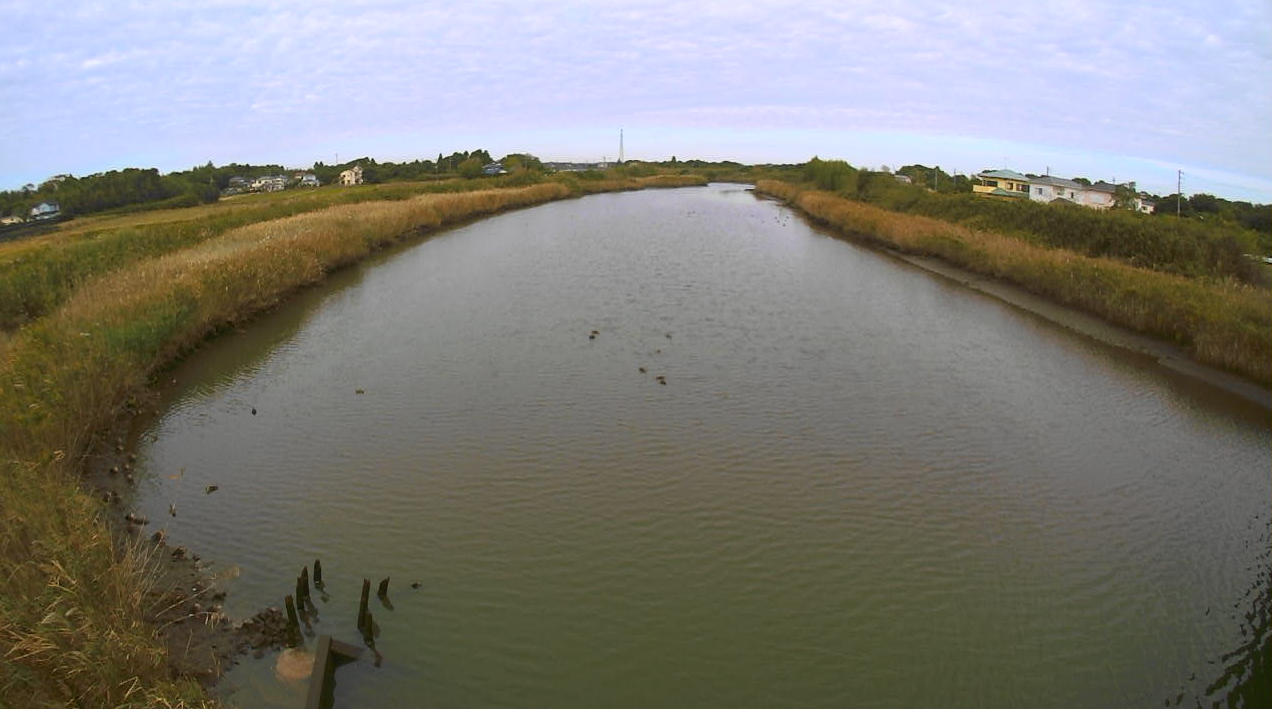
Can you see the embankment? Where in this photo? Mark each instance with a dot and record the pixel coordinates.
(1223, 324)
(76, 625)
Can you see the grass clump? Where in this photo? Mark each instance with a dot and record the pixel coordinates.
(1220, 322)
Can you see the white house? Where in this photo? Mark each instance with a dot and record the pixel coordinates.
(308, 180)
(352, 176)
(46, 210)
(1049, 189)
(1101, 195)
(6, 221)
(269, 183)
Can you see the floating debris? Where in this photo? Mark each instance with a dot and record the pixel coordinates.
(253, 410)
(211, 489)
(642, 370)
(358, 391)
(172, 509)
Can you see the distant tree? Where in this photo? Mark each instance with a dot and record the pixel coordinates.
(1204, 203)
(1082, 181)
(471, 167)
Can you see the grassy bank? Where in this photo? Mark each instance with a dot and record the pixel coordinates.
(1225, 324)
(73, 627)
(37, 274)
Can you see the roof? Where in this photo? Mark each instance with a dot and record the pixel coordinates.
(1056, 182)
(1000, 192)
(1061, 200)
(1003, 175)
(1103, 186)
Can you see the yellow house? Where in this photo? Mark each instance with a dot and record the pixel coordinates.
(1000, 183)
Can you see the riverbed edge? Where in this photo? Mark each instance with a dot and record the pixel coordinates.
(62, 539)
(1163, 353)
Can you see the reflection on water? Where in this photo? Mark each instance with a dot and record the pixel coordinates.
(860, 484)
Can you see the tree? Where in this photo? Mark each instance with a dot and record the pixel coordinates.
(471, 168)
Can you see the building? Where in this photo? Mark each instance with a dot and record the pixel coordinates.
(15, 219)
(1000, 183)
(46, 210)
(1144, 204)
(309, 180)
(493, 168)
(270, 183)
(352, 176)
(1101, 195)
(1049, 189)
(903, 179)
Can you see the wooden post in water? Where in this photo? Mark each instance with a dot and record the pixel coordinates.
(300, 591)
(304, 581)
(368, 632)
(362, 604)
(293, 624)
(384, 588)
(317, 574)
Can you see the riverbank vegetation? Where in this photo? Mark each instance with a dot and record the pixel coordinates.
(1222, 320)
(73, 613)
(37, 274)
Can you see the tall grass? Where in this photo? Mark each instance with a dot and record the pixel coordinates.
(1226, 324)
(37, 276)
(72, 628)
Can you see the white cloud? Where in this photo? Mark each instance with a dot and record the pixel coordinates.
(1078, 75)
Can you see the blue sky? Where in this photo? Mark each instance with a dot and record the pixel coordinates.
(1107, 90)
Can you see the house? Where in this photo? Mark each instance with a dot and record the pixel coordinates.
(309, 180)
(903, 179)
(239, 183)
(493, 168)
(15, 219)
(269, 183)
(352, 176)
(46, 210)
(1101, 195)
(1144, 204)
(1000, 183)
(1050, 189)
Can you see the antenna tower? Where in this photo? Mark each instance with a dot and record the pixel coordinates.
(620, 146)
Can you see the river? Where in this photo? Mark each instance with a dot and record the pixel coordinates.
(860, 485)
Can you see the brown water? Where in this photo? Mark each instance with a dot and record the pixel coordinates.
(861, 485)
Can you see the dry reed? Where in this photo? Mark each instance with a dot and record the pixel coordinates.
(1223, 324)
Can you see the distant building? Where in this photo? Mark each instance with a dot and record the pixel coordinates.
(1101, 195)
(241, 183)
(493, 168)
(352, 176)
(270, 183)
(1000, 183)
(1144, 204)
(903, 179)
(15, 219)
(1050, 189)
(309, 180)
(46, 210)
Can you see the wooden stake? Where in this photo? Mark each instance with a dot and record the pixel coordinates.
(317, 574)
(362, 604)
(293, 625)
(384, 588)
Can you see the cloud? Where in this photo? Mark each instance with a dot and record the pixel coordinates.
(232, 78)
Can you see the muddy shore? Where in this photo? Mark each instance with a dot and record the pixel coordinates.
(184, 597)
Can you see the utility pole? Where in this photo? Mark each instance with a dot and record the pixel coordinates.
(1179, 191)
(620, 146)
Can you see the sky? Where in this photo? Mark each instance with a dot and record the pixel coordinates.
(1102, 89)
